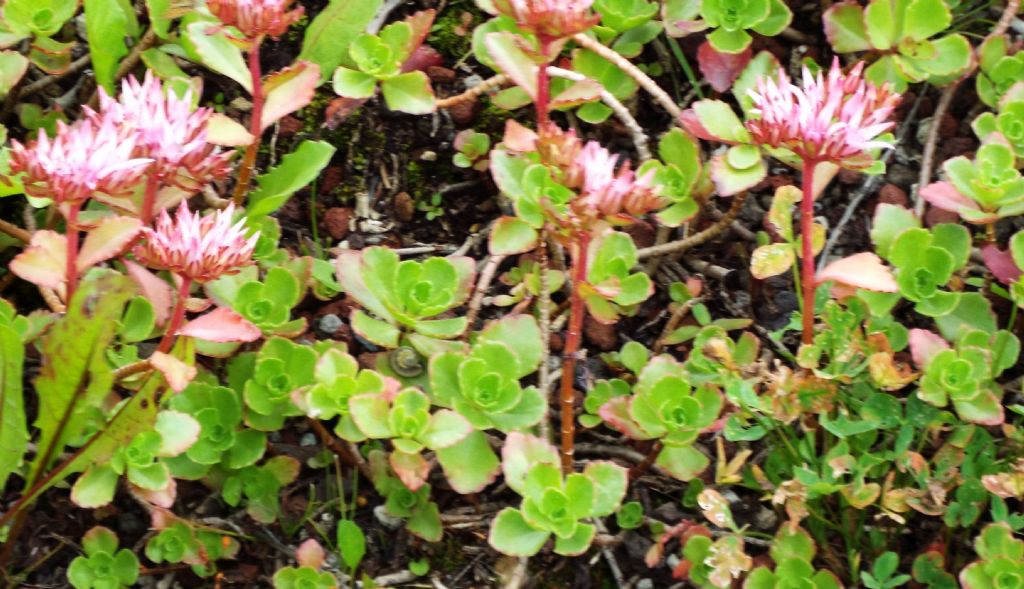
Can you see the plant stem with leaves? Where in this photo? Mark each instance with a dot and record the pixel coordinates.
(177, 316)
(71, 259)
(807, 254)
(255, 123)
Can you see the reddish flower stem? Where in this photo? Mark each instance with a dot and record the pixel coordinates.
(255, 124)
(806, 232)
(577, 311)
(543, 84)
(71, 259)
(149, 198)
(177, 317)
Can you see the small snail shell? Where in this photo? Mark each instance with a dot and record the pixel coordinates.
(406, 362)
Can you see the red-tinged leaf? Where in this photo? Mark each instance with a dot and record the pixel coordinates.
(107, 240)
(505, 49)
(422, 57)
(289, 90)
(519, 137)
(721, 69)
(221, 325)
(177, 373)
(339, 109)
(43, 261)
(310, 554)
(691, 122)
(412, 469)
(162, 498)
(616, 414)
(864, 270)
(223, 130)
(578, 93)
(1001, 263)
(946, 197)
(924, 344)
(420, 24)
(155, 289)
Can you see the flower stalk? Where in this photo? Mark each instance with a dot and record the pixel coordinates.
(177, 316)
(255, 124)
(577, 311)
(71, 260)
(807, 232)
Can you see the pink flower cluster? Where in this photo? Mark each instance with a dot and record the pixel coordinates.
(608, 191)
(95, 154)
(196, 247)
(168, 132)
(553, 19)
(835, 118)
(256, 17)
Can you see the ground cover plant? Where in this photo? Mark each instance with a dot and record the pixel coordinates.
(511, 293)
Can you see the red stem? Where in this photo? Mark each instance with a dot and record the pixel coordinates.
(577, 312)
(149, 199)
(807, 231)
(255, 123)
(177, 317)
(71, 259)
(543, 84)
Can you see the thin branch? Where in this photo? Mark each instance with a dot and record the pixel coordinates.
(15, 231)
(621, 112)
(481, 88)
(482, 284)
(674, 247)
(632, 71)
(44, 83)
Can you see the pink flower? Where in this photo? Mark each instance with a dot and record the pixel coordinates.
(608, 191)
(550, 18)
(835, 119)
(199, 248)
(168, 132)
(95, 154)
(256, 17)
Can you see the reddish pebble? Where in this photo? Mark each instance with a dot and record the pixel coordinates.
(336, 222)
(850, 177)
(440, 75)
(330, 179)
(934, 216)
(463, 112)
(289, 126)
(603, 336)
(642, 232)
(404, 207)
(892, 194)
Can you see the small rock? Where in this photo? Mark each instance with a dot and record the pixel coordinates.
(901, 175)
(464, 112)
(645, 584)
(308, 439)
(667, 512)
(892, 194)
(330, 323)
(440, 75)
(386, 519)
(964, 146)
(405, 208)
(934, 216)
(603, 336)
(336, 221)
(850, 177)
(289, 126)
(765, 519)
(428, 156)
(330, 179)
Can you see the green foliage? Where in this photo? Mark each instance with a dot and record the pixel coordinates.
(611, 288)
(1000, 560)
(327, 40)
(103, 566)
(731, 19)
(260, 487)
(882, 575)
(379, 58)
(793, 550)
(199, 547)
(552, 504)
(107, 23)
(991, 181)
(472, 148)
(405, 296)
(14, 436)
(1000, 71)
(925, 262)
(303, 578)
(420, 513)
(267, 304)
(296, 170)
(1006, 126)
(965, 375)
(906, 33)
(281, 368)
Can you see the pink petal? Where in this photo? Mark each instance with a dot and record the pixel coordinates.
(177, 373)
(924, 344)
(221, 325)
(154, 289)
(864, 270)
(946, 197)
(1001, 263)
